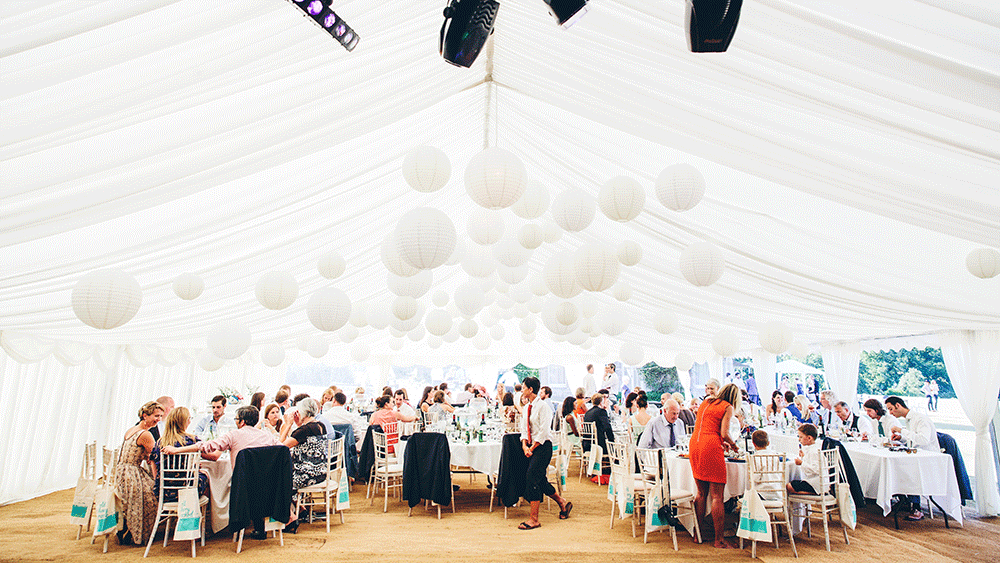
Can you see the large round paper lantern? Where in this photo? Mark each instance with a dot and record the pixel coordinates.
(538, 285)
(531, 236)
(485, 227)
(302, 343)
(426, 169)
(379, 315)
(632, 354)
(622, 291)
(597, 267)
(560, 275)
(613, 320)
(360, 352)
(425, 238)
(318, 347)
(629, 253)
(799, 350)
(440, 298)
(567, 313)
(188, 286)
(359, 315)
(229, 340)
(208, 361)
(396, 344)
(513, 275)
(331, 265)
(702, 263)
(533, 203)
(510, 253)
(528, 325)
(478, 264)
(392, 260)
(495, 178)
(106, 299)
(983, 263)
(552, 232)
(497, 332)
(348, 334)
(576, 338)
(680, 187)
(725, 343)
(438, 322)
(468, 328)
(469, 298)
(457, 255)
(404, 308)
(414, 286)
(683, 362)
(775, 337)
(665, 321)
(573, 210)
(272, 354)
(277, 290)
(622, 198)
(329, 309)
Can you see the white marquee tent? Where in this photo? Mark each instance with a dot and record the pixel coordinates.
(850, 150)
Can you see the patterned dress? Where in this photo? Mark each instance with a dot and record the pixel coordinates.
(134, 486)
(170, 495)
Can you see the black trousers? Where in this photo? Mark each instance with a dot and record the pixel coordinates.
(536, 483)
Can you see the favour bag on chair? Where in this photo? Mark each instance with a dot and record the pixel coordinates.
(594, 461)
(83, 501)
(655, 520)
(755, 522)
(106, 512)
(188, 515)
(343, 491)
(845, 502)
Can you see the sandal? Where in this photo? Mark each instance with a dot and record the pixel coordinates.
(527, 526)
(564, 513)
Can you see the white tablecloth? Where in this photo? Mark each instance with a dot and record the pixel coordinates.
(681, 477)
(220, 477)
(783, 443)
(484, 457)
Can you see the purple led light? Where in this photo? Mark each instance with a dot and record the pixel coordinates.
(339, 30)
(315, 7)
(329, 20)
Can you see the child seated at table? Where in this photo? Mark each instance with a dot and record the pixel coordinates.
(809, 462)
(767, 484)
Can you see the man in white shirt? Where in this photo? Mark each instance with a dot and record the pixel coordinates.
(536, 440)
(404, 412)
(589, 383)
(827, 418)
(612, 382)
(465, 395)
(338, 414)
(666, 430)
(850, 421)
(919, 431)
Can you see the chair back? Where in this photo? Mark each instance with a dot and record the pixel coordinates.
(830, 471)
(689, 428)
(335, 458)
(649, 465)
(380, 442)
(767, 473)
(110, 458)
(178, 471)
(89, 468)
(588, 430)
(618, 454)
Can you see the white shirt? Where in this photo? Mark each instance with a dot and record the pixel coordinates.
(811, 466)
(920, 430)
(463, 397)
(864, 423)
(340, 415)
(589, 385)
(540, 421)
(886, 422)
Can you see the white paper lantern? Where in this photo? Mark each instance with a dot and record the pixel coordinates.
(415, 286)
(468, 328)
(273, 354)
(552, 232)
(434, 342)
(359, 315)
(229, 340)
(510, 253)
(683, 362)
(576, 338)
(318, 347)
(629, 253)
(395, 332)
(632, 354)
(574, 210)
(535, 305)
(425, 238)
(379, 315)
(520, 294)
(725, 343)
(622, 291)
(277, 290)
(588, 305)
(452, 335)
(702, 263)
(482, 341)
(613, 320)
(478, 264)
(106, 299)
(505, 301)
(680, 187)
(799, 350)
(622, 198)
(426, 169)
(396, 344)
(531, 236)
(489, 317)
(528, 337)
(440, 298)
(360, 352)
(775, 337)
(208, 361)
(596, 266)
(302, 343)
(665, 321)
(527, 325)
(417, 333)
(487, 283)
(331, 265)
(538, 286)
(602, 349)
(188, 286)
(983, 263)
(520, 310)
(513, 275)
(495, 178)
(533, 203)
(438, 322)
(485, 227)
(567, 313)
(458, 254)
(497, 332)
(469, 298)
(404, 308)
(348, 334)
(560, 275)
(552, 323)
(586, 326)
(393, 261)
(329, 309)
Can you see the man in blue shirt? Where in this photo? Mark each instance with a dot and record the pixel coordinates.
(208, 427)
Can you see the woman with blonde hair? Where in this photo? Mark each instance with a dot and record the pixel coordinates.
(707, 449)
(133, 484)
(175, 434)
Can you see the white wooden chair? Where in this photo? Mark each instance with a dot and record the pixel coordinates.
(825, 503)
(324, 494)
(652, 471)
(588, 431)
(88, 470)
(620, 456)
(386, 471)
(177, 472)
(767, 473)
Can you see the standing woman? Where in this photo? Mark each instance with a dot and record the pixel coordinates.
(134, 485)
(708, 461)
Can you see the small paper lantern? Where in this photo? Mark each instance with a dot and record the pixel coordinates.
(434, 342)
(504, 301)
(576, 338)
(331, 265)
(208, 361)
(438, 322)
(531, 236)
(417, 333)
(725, 343)
(513, 275)
(622, 198)
(359, 315)
(497, 332)
(318, 347)
(614, 320)
(404, 308)
(329, 309)
(302, 343)
(535, 305)
(229, 340)
(106, 299)
(632, 354)
(452, 335)
(665, 321)
(597, 267)
(683, 362)
(588, 305)
(482, 341)
(440, 298)
(348, 334)
(487, 283)
(425, 238)
(560, 275)
(495, 178)
(551, 321)
(586, 326)
(775, 337)
(510, 253)
(277, 290)
(379, 315)
(468, 328)
(393, 261)
(552, 232)
(799, 350)
(395, 332)
(702, 263)
(533, 203)
(188, 286)
(622, 291)
(520, 294)
(538, 285)
(478, 264)
(485, 227)
(396, 344)
(415, 286)
(983, 263)
(426, 169)
(469, 298)
(360, 352)
(457, 255)
(527, 325)
(520, 310)
(680, 187)
(272, 354)
(567, 313)
(629, 253)
(573, 210)
(528, 337)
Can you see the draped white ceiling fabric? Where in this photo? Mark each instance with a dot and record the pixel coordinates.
(851, 153)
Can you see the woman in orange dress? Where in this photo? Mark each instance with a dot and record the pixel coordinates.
(708, 444)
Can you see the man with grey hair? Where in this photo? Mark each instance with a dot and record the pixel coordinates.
(666, 430)
(245, 436)
(827, 418)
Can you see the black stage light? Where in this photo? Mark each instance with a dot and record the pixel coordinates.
(567, 12)
(467, 25)
(321, 12)
(711, 24)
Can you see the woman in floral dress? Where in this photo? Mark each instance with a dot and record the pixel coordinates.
(134, 485)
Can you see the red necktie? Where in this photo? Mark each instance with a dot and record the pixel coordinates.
(528, 424)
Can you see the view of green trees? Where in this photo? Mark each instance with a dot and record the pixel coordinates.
(660, 380)
(896, 372)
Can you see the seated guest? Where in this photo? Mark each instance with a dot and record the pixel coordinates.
(427, 399)
(404, 412)
(271, 420)
(882, 420)
(774, 407)
(257, 400)
(167, 403)
(807, 409)
(640, 418)
(791, 407)
(245, 436)
(666, 430)
(465, 395)
(209, 426)
(440, 406)
(510, 410)
(751, 413)
(283, 398)
(327, 398)
(761, 442)
(850, 422)
(630, 403)
(827, 418)
(383, 415)
(580, 403)
(919, 431)
(602, 424)
(569, 418)
(307, 444)
(686, 415)
(175, 434)
(447, 394)
(338, 414)
(133, 483)
(809, 461)
(761, 445)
